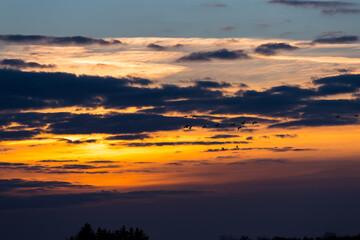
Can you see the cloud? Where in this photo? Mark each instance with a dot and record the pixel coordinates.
(337, 40)
(272, 149)
(340, 11)
(223, 54)
(286, 135)
(139, 81)
(305, 3)
(5, 149)
(57, 161)
(8, 202)
(17, 135)
(29, 90)
(161, 144)
(102, 162)
(273, 48)
(20, 184)
(224, 136)
(156, 47)
(211, 84)
(61, 169)
(218, 5)
(49, 40)
(228, 28)
(68, 141)
(33, 90)
(19, 63)
(129, 137)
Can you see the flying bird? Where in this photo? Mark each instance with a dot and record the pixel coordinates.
(204, 126)
(337, 116)
(243, 122)
(356, 115)
(232, 124)
(239, 128)
(217, 125)
(186, 126)
(254, 123)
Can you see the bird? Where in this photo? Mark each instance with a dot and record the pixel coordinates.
(237, 146)
(338, 116)
(356, 115)
(193, 116)
(233, 124)
(185, 116)
(217, 125)
(204, 126)
(243, 122)
(239, 128)
(190, 127)
(254, 123)
(186, 126)
(223, 149)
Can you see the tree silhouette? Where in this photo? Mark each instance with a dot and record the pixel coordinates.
(87, 233)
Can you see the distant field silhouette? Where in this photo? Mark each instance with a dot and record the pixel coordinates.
(326, 236)
(87, 233)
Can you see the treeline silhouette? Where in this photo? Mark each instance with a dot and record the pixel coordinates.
(87, 233)
(326, 236)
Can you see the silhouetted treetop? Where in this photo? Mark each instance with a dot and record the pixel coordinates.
(87, 233)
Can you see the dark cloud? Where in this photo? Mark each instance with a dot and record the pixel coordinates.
(102, 162)
(57, 161)
(273, 48)
(161, 144)
(218, 5)
(61, 200)
(19, 63)
(129, 137)
(259, 161)
(30, 90)
(211, 84)
(224, 136)
(83, 166)
(337, 40)
(228, 28)
(139, 81)
(17, 135)
(340, 11)
(49, 40)
(305, 3)
(78, 141)
(61, 169)
(286, 135)
(346, 83)
(218, 54)
(17, 184)
(272, 149)
(157, 47)
(5, 149)
(120, 124)
(40, 90)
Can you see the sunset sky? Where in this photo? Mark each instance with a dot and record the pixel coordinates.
(189, 119)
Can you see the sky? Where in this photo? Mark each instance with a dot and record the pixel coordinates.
(188, 119)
